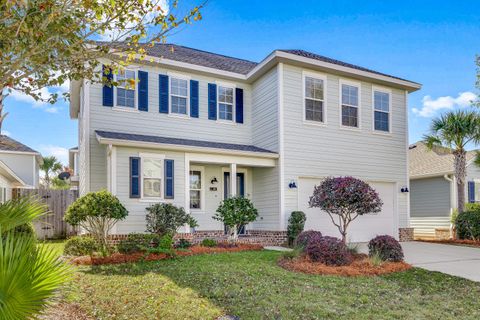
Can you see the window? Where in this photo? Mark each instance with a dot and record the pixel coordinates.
(225, 103)
(314, 99)
(152, 174)
(179, 95)
(381, 113)
(195, 189)
(3, 194)
(126, 88)
(349, 105)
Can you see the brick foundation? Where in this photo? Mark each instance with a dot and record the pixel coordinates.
(262, 237)
(405, 234)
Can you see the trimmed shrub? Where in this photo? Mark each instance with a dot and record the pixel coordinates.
(296, 223)
(386, 247)
(330, 251)
(136, 242)
(208, 243)
(475, 206)
(80, 246)
(165, 218)
(183, 244)
(166, 242)
(304, 238)
(467, 225)
(235, 212)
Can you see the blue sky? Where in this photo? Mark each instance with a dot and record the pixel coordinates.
(431, 42)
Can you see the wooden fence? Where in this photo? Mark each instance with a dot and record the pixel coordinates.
(51, 225)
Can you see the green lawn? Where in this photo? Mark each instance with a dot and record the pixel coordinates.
(56, 245)
(250, 285)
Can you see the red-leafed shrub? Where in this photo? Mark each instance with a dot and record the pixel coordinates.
(386, 247)
(306, 236)
(344, 199)
(330, 251)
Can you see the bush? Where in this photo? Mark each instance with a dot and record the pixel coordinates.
(293, 254)
(330, 251)
(165, 218)
(304, 238)
(183, 244)
(296, 223)
(136, 242)
(469, 206)
(386, 247)
(208, 243)
(344, 199)
(166, 242)
(236, 212)
(97, 213)
(80, 246)
(467, 225)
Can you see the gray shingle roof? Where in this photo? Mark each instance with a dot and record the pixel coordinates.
(177, 141)
(315, 56)
(425, 162)
(9, 144)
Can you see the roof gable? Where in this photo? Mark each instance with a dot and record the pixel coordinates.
(9, 144)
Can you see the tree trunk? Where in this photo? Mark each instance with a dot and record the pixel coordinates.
(460, 164)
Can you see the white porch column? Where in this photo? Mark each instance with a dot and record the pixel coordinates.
(233, 179)
(187, 190)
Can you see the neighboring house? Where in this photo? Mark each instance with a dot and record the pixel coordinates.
(195, 119)
(19, 167)
(433, 188)
(73, 166)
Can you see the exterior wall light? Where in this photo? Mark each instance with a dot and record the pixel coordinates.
(214, 180)
(404, 190)
(292, 185)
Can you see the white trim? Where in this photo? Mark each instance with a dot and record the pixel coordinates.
(12, 174)
(86, 131)
(156, 156)
(390, 109)
(317, 76)
(113, 156)
(170, 94)
(187, 182)
(34, 172)
(233, 104)
(281, 148)
(407, 164)
(202, 188)
(128, 143)
(222, 159)
(358, 85)
(21, 152)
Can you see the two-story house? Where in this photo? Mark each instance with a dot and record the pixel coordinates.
(196, 119)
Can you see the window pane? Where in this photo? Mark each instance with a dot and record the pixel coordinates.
(225, 95)
(349, 116)
(349, 95)
(381, 121)
(382, 101)
(152, 187)
(152, 168)
(179, 87)
(313, 88)
(313, 110)
(195, 180)
(195, 199)
(179, 105)
(225, 111)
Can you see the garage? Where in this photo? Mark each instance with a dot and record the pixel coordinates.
(364, 227)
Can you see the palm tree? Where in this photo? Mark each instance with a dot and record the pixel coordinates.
(454, 130)
(30, 274)
(50, 166)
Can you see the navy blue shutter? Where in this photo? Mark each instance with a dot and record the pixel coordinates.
(107, 90)
(163, 90)
(194, 98)
(142, 90)
(471, 191)
(169, 183)
(134, 177)
(238, 105)
(212, 101)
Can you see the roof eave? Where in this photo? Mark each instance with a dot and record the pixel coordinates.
(75, 86)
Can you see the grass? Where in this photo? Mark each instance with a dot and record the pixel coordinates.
(56, 245)
(251, 285)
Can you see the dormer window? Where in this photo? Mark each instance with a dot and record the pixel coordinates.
(126, 88)
(179, 96)
(225, 103)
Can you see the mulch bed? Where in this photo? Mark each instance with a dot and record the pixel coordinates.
(361, 266)
(458, 242)
(117, 258)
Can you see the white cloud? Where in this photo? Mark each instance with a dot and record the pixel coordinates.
(52, 110)
(431, 106)
(6, 133)
(59, 152)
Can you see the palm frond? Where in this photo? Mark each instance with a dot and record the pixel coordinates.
(18, 212)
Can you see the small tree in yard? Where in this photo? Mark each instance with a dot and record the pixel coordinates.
(236, 212)
(344, 199)
(96, 213)
(165, 218)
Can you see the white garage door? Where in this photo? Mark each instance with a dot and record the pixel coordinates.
(361, 229)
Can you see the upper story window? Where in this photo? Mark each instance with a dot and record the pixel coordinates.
(152, 175)
(314, 99)
(350, 105)
(381, 111)
(179, 95)
(126, 88)
(225, 103)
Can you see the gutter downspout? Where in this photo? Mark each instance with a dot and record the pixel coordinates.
(452, 201)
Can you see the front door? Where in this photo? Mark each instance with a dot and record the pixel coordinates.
(240, 191)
